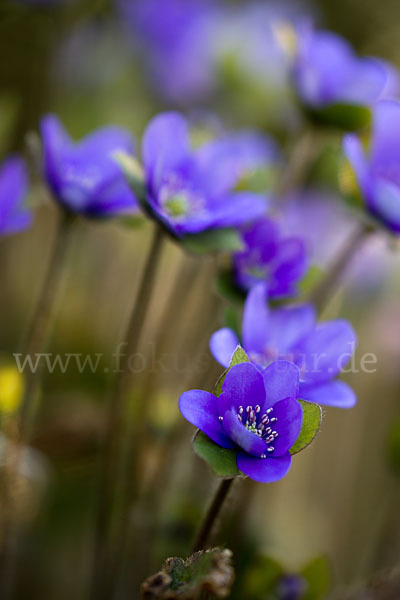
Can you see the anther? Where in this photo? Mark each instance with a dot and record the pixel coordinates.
(270, 449)
(221, 418)
(258, 408)
(269, 410)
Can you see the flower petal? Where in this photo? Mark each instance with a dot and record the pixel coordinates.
(243, 386)
(245, 439)
(384, 203)
(165, 145)
(325, 351)
(56, 143)
(386, 134)
(223, 344)
(220, 164)
(290, 419)
(334, 393)
(200, 409)
(264, 470)
(238, 209)
(281, 380)
(287, 326)
(256, 321)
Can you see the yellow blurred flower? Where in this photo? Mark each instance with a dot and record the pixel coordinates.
(11, 389)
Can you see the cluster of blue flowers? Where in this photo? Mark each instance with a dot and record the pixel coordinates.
(192, 190)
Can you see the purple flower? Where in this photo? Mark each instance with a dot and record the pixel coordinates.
(256, 414)
(14, 215)
(278, 261)
(377, 168)
(327, 71)
(191, 191)
(84, 177)
(177, 37)
(319, 350)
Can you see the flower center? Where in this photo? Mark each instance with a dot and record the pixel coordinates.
(259, 424)
(177, 205)
(178, 200)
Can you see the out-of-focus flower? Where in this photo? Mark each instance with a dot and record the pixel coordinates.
(177, 37)
(14, 215)
(320, 350)
(190, 191)
(331, 222)
(278, 261)
(207, 43)
(84, 177)
(377, 169)
(257, 413)
(326, 71)
(11, 389)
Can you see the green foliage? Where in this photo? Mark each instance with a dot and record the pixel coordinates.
(347, 117)
(393, 449)
(262, 578)
(318, 578)
(209, 570)
(227, 289)
(311, 424)
(221, 460)
(214, 240)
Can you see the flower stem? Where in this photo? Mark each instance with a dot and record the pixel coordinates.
(324, 290)
(38, 334)
(114, 424)
(208, 524)
(42, 322)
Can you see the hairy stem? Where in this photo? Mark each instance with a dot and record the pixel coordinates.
(211, 517)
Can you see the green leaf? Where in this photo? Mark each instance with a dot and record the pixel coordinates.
(134, 174)
(207, 571)
(394, 448)
(227, 289)
(318, 577)
(311, 424)
(214, 240)
(221, 460)
(310, 280)
(238, 357)
(348, 117)
(262, 577)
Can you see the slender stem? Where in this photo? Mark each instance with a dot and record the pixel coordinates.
(209, 522)
(114, 422)
(42, 322)
(38, 334)
(324, 290)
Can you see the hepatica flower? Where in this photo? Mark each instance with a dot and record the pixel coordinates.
(320, 350)
(191, 191)
(84, 177)
(269, 257)
(377, 169)
(14, 215)
(256, 414)
(327, 71)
